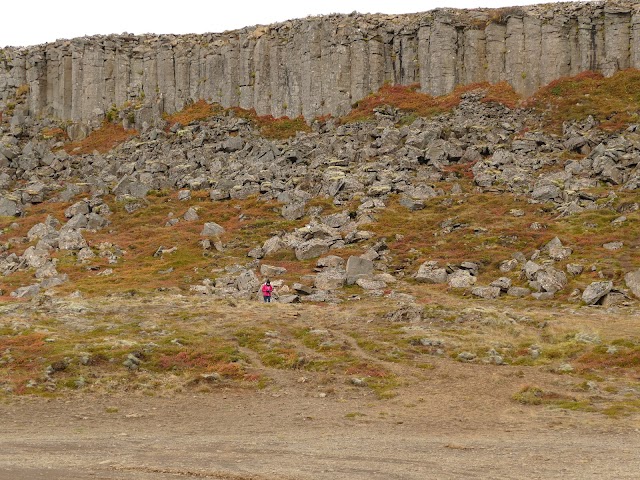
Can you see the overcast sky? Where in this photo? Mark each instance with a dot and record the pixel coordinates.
(31, 22)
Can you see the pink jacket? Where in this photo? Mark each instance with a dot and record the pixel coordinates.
(266, 290)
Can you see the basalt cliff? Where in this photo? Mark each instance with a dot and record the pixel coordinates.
(320, 65)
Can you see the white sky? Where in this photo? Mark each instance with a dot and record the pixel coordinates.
(31, 22)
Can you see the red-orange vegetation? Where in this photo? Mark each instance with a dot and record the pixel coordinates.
(366, 370)
(599, 360)
(408, 99)
(614, 101)
(105, 138)
(200, 110)
(54, 132)
(271, 127)
(25, 350)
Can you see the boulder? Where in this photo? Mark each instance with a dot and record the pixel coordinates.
(26, 292)
(358, 267)
(293, 211)
(503, 283)
(211, 229)
(429, 272)
(556, 250)
(273, 245)
(336, 220)
(632, 280)
(486, 292)
(79, 207)
(332, 279)
(574, 269)
(551, 280)
(371, 284)
(191, 215)
(9, 208)
(34, 257)
(461, 279)
(54, 281)
(271, 271)
(331, 261)
(288, 299)
(595, 291)
(411, 204)
(247, 281)
(518, 292)
(71, 240)
(302, 289)
(311, 249)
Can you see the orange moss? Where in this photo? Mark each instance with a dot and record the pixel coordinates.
(366, 370)
(409, 100)
(200, 110)
(26, 350)
(105, 138)
(54, 132)
(600, 360)
(274, 128)
(612, 101)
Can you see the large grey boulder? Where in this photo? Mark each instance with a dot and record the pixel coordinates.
(272, 271)
(503, 283)
(9, 208)
(551, 280)
(71, 240)
(312, 249)
(518, 292)
(331, 279)
(211, 229)
(79, 207)
(336, 220)
(26, 292)
(461, 279)
(488, 293)
(556, 250)
(247, 281)
(54, 281)
(330, 261)
(358, 267)
(191, 215)
(370, 284)
(34, 257)
(41, 230)
(429, 272)
(594, 292)
(632, 279)
(273, 245)
(293, 211)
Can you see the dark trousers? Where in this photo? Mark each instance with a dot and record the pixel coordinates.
(267, 298)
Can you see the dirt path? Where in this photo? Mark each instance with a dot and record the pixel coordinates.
(295, 434)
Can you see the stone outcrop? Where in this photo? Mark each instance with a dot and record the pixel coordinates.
(319, 65)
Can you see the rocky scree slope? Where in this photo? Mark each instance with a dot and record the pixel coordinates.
(368, 173)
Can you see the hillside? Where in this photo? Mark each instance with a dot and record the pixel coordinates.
(469, 260)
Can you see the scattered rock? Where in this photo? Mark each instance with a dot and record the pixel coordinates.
(429, 272)
(594, 292)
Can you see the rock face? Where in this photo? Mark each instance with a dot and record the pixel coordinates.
(321, 65)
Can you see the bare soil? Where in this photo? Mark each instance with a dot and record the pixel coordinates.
(459, 423)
